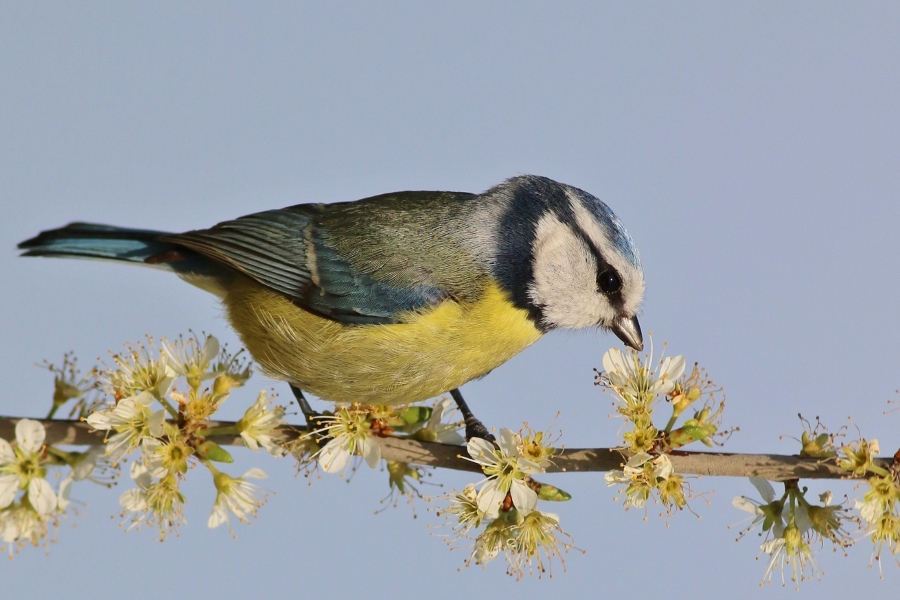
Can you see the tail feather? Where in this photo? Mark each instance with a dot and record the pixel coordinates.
(90, 240)
(133, 246)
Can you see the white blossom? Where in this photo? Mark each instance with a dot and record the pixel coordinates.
(236, 496)
(189, 361)
(350, 434)
(436, 431)
(506, 472)
(132, 419)
(23, 468)
(258, 426)
(631, 378)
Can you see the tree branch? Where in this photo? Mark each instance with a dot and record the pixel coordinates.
(774, 467)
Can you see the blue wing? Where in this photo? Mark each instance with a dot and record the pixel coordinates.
(287, 250)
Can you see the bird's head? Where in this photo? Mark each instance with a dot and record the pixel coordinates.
(582, 269)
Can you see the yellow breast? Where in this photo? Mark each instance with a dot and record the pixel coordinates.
(424, 356)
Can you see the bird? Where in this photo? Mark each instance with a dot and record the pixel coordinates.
(399, 297)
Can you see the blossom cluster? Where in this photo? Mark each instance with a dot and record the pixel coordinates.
(155, 405)
(157, 402)
(643, 475)
(169, 428)
(350, 430)
(793, 527)
(30, 509)
(637, 389)
(499, 514)
(879, 508)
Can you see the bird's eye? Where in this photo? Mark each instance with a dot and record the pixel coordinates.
(609, 282)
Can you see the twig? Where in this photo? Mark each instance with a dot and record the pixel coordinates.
(774, 467)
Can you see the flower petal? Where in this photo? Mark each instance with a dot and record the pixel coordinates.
(663, 467)
(608, 364)
(620, 381)
(627, 364)
(529, 467)
(772, 545)
(551, 516)
(140, 474)
(65, 489)
(744, 504)
(250, 441)
(272, 447)
(663, 387)
(874, 448)
(482, 452)
(636, 501)
(371, 452)
(764, 488)
(778, 527)
(437, 413)
(490, 497)
(334, 456)
(84, 467)
(871, 511)
(523, 497)
(616, 477)
(118, 446)
(801, 519)
(483, 555)
(165, 384)
(618, 363)
(30, 435)
(672, 368)
(255, 473)
(99, 420)
(9, 530)
(218, 516)
(133, 500)
(508, 442)
(210, 350)
(155, 423)
(9, 485)
(6, 452)
(638, 459)
(143, 399)
(41, 496)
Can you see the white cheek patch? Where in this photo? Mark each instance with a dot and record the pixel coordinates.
(565, 278)
(632, 278)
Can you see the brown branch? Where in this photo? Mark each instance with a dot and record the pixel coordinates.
(773, 467)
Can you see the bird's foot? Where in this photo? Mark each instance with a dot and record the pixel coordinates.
(474, 427)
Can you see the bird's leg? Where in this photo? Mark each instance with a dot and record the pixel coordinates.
(474, 427)
(312, 417)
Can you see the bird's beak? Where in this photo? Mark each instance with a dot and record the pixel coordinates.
(628, 330)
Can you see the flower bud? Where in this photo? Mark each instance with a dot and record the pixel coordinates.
(210, 450)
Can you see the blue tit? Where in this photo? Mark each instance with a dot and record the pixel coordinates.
(400, 297)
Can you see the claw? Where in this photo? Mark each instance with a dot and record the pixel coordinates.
(474, 427)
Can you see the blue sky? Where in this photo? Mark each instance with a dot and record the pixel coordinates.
(750, 149)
